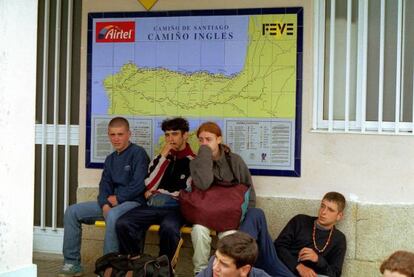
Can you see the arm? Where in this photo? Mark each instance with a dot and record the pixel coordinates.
(105, 185)
(156, 170)
(283, 244)
(332, 265)
(201, 168)
(244, 173)
(245, 177)
(136, 185)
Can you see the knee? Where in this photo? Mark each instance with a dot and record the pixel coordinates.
(256, 214)
(111, 218)
(71, 212)
(199, 229)
(200, 232)
(169, 228)
(121, 223)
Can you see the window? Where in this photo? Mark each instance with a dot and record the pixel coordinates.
(364, 66)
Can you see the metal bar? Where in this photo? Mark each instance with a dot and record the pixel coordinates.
(348, 62)
(316, 12)
(412, 113)
(44, 115)
(331, 66)
(320, 63)
(381, 67)
(365, 67)
(68, 103)
(402, 62)
(398, 67)
(362, 60)
(56, 113)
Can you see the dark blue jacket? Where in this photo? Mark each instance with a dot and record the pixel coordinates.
(123, 175)
(208, 272)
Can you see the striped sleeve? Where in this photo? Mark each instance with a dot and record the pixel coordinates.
(156, 170)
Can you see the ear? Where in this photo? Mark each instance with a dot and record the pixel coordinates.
(340, 216)
(245, 270)
(219, 139)
(185, 136)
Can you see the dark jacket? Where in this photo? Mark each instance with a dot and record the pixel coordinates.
(123, 175)
(208, 272)
(170, 173)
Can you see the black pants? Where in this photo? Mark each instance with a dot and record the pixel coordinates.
(131, 228)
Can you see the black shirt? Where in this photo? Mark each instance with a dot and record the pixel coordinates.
(298, 234)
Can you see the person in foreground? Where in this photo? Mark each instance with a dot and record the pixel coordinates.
(121, 188)
(235, 256)
(312, 246)
(399, 264)
(168, 173)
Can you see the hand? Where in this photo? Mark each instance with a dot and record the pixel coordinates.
(166, 149)
(112, 199)
(105, 209)
(307, 254)
(147, 194)
(305, 271)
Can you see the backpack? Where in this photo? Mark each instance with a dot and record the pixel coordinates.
(118, 265)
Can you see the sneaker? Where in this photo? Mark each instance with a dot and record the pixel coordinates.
(71, 270)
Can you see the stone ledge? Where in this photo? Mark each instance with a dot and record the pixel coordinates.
(382, 229)
(356, 268)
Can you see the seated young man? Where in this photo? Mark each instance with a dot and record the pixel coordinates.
(168, 173)
(312, 246)
(399, 264)
(121, 188)
(234, 257)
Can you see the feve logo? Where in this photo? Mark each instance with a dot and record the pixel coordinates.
(115, 31)
(277, 29)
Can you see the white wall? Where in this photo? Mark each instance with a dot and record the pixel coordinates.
(18, 21)
(367, 168)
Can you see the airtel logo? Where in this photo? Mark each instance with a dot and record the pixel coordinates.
(115, 31)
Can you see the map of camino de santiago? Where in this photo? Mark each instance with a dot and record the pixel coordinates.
(237, 70)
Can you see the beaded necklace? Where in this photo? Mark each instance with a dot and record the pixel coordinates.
(314, 238)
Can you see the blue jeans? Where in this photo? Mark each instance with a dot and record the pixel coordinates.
(255, 225)
(88, 213)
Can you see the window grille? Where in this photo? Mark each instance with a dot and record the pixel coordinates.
(57, 110)
(363, 78)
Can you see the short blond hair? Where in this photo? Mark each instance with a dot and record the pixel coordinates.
(119, 122)
(337, 198)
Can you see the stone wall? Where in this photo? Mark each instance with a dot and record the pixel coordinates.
(373, 232)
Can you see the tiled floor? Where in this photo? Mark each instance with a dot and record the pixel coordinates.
(48, 265)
